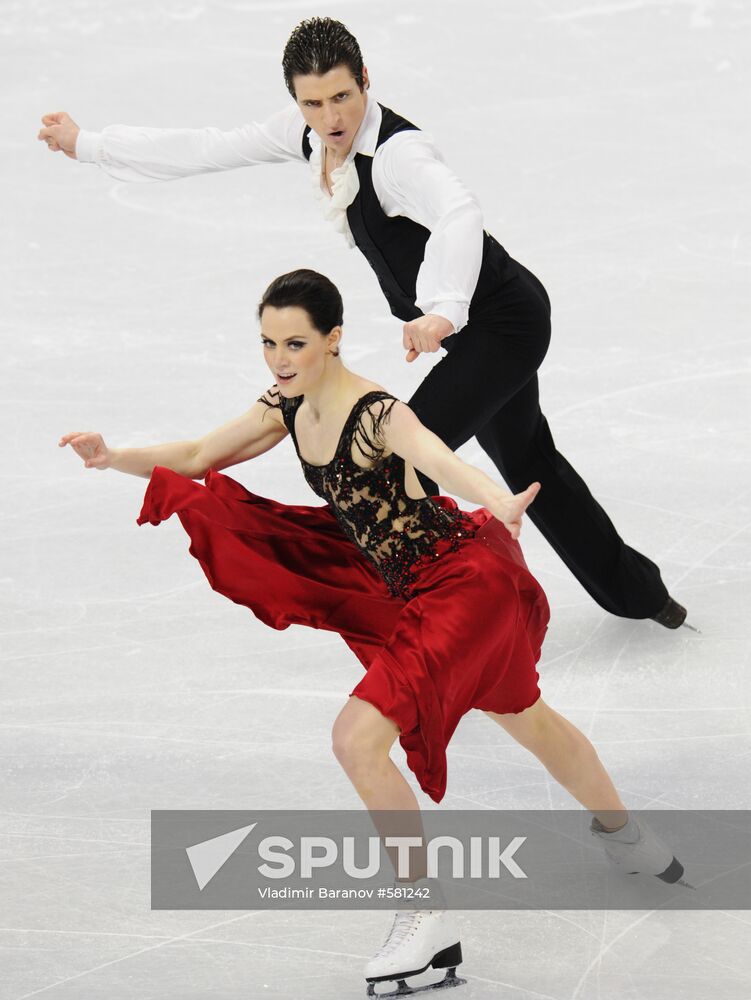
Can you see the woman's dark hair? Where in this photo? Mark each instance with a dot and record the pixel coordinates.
(310, 291)
(317, 45)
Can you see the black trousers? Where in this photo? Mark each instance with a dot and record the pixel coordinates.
(486, 387)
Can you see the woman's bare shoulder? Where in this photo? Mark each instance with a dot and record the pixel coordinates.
(366, 385)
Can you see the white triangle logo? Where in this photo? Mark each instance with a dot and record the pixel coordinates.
(208, 857)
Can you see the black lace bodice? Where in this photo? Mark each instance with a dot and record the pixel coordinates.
(371, 504)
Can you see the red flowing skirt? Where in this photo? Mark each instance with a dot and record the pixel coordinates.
(469, 637)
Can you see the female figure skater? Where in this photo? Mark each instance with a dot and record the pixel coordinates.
(437, 603)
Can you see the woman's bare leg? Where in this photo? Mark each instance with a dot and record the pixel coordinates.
(362, 739)
(569, 757)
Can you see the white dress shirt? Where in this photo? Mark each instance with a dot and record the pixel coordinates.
(409, 178)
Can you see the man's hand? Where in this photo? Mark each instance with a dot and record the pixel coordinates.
(424, 334)
(60, 133)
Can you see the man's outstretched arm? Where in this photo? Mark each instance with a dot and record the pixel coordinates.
(134, 153)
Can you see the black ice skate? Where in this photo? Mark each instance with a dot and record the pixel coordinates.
(673, 615)
(417, 940)
(636, 849)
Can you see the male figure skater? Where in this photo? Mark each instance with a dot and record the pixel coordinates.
(386, 188)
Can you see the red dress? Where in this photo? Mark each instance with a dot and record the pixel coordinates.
(441, 610)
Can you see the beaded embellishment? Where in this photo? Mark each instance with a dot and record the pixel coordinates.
(393, 530)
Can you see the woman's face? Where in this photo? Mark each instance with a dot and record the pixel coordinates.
(294, 349)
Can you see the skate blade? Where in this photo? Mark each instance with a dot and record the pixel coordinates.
(405, 990)
(685, 884)
(692, 627)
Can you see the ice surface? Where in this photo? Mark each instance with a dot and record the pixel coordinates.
(605, 142)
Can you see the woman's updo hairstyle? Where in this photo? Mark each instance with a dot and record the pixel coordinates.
(310, 291)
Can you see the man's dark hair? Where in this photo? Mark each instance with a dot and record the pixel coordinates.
(310, 291)
(318, 45)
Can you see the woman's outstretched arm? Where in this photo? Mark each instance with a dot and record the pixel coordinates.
(404, 434)
(245, 437)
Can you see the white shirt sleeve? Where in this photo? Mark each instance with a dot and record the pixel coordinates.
(130, 153)
(411, 179)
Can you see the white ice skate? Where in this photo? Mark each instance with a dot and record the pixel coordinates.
(417, 940)
(636, 849)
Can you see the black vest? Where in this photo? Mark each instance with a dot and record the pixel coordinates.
(395, 247)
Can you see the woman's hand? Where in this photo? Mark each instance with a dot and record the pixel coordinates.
(510, 510)
(91, 448)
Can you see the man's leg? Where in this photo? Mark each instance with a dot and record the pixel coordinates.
(519, 442)
(486, 386)
(486, 364)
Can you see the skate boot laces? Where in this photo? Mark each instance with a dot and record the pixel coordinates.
(405, 924)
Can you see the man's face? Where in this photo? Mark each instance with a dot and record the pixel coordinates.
(333, 105)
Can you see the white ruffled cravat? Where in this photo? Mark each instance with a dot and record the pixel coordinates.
(344, 187)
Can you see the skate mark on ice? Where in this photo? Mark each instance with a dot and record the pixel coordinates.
(602, 11)
(135, 954)
(684, 515)
(237, 747)
(96, 934)
(119, 194)
(670, 739)
(701, 562)
(604, 949)
(285, 693)
(594, 711)
(282, 947)
(698, 19)
(574, 653)
(509, 986)
(249, 7)
(637, 387)
(54, 857)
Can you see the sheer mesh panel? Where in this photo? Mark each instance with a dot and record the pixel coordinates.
(369, 500)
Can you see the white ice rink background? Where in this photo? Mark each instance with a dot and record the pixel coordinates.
(608, 144)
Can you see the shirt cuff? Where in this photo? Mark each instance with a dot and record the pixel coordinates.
(456, 313)
(86, 146)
